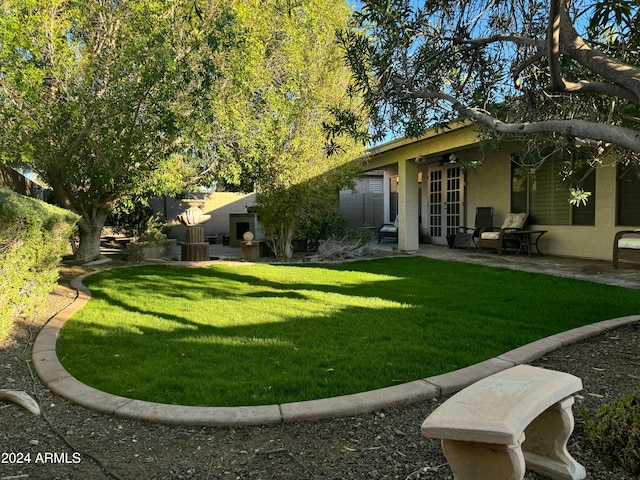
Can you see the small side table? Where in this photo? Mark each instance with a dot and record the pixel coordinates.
(528, 239)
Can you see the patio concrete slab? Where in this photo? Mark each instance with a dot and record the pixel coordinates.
(600, 271)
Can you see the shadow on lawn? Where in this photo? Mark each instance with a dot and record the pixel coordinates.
(397, 320)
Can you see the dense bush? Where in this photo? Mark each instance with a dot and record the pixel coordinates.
(33, 237)
(614, 431)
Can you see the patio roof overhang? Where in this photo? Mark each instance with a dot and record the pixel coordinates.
(429, 149)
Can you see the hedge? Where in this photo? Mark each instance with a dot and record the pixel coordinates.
(33, 237)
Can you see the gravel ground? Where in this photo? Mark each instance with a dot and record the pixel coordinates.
(69, 442)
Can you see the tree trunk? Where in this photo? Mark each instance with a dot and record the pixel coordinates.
(281, 245)
(90, 228)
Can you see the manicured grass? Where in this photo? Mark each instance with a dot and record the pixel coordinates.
(261, 334)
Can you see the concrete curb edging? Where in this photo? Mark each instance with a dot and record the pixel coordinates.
(62, 383)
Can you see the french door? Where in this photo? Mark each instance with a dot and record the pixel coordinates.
(445, 201)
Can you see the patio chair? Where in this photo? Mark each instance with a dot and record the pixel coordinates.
(388, 230)
(500, 239)
(466, 236)
(626, 246)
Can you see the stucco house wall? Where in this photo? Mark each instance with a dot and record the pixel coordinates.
(490, 186)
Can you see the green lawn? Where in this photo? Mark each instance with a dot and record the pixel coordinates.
(260, 334)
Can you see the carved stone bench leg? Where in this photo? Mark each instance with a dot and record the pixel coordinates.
(545, 446)
(473, 461)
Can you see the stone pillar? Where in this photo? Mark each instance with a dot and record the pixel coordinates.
(195, 234)
(408, 210)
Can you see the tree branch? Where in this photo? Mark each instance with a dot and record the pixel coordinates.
(623, 75)
(553, 47)
(624, 137)
(513, 38)
(600, 88)
(524, 64)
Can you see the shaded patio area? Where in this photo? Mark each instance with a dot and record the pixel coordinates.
(628, 275)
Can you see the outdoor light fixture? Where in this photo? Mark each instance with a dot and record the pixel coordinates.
(448, 158)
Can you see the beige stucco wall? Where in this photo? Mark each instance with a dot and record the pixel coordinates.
(490, 186)
(217, 204)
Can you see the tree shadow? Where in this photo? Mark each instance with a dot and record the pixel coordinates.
(403, 320)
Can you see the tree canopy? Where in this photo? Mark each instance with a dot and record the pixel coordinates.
(562, 74)
(94, 97)
(280, 88)
(113, 101)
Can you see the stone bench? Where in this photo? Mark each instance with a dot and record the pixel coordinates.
(626, 246)
(520, 416)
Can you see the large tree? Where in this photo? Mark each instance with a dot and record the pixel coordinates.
(564, 72)
(96, 98)
(281, 88)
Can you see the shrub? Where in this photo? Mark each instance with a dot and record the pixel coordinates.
(33, 237)
(151, 239)
(614, 431)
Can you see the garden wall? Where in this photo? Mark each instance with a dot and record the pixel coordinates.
(217, 204)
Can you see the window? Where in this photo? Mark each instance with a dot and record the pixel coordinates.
(545, 196)
(628, 195)
(375, 185)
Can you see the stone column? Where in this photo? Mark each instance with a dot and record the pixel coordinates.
(408, 210)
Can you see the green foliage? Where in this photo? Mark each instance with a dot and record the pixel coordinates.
(153, 231)
(152, 237)
(283, 85)
(419, 65)
(130, 221)
(614, 431)
(33, 237)
(98, 98)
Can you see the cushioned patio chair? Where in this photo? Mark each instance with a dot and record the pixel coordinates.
(388, 230)
(500, 239)
(466, 236)
(626, 246)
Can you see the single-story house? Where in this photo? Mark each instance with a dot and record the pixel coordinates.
(425, 185)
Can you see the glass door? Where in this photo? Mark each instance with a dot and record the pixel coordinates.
(445, 198)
